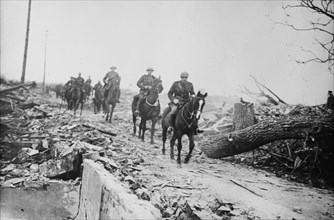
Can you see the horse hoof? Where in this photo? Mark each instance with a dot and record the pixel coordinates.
(163, 152)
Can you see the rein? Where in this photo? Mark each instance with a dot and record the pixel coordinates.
(191, 115)
(156, 103)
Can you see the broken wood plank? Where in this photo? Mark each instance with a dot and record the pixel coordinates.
(41, 110)
(13, 97)
(3, 91)
(235, 182)
(5, 101)
(183, 187)
(100, 129)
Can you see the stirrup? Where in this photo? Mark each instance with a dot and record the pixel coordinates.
(137, 112)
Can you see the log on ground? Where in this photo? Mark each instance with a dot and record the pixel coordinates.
(267, 131)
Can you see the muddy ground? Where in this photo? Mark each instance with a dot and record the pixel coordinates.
(212, 188)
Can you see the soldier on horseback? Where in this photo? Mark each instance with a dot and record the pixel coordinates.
(145, 84)
(88, 81)
(98, 86)
(88, 87)
(97, 100)
(112, 79)
(179, 93)
(81, 83)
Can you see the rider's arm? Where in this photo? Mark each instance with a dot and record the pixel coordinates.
(191, 89)
(105, 77)
(171, 92)
(140, 83)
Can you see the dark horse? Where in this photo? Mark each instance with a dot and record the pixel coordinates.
(74, 98)
(88, 90)
(110, 102)
(97, 100)
(185, 123)
(58, 90)
(148, 110)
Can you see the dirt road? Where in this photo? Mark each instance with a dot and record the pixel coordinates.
(212, 188)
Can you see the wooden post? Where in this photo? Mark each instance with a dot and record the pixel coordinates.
(46, 41)
(243, 116)
(26, 46)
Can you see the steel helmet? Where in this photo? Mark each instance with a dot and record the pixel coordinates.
(184, 74)
(150, 69)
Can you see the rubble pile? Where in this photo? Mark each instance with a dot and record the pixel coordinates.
(40, 142)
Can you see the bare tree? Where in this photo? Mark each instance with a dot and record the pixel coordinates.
(322, 21)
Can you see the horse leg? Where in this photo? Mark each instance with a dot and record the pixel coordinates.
(172, 142)
(81, 108)
(164, 138)
(95, 107)
(111, 111)
(107, 112)
(140, 127)
(134, 119)
(154, 121)
(75, 107)
(191, 147)
(143, 130)
(179, 148)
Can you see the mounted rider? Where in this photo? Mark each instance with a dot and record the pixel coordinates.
(145, 84)
(180, 93)
(81, 83)
(88, 87)
(68, 87)
(70, 83)
(111, 79)
(88, 81)
(97, 86)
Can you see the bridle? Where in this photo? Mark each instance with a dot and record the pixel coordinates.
(156, 89)
(192, 113)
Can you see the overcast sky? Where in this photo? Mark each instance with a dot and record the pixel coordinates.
(219, 43)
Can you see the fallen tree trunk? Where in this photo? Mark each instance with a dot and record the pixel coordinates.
(268, 131)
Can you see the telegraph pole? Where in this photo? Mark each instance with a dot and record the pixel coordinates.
(46, 41)
(26, 46)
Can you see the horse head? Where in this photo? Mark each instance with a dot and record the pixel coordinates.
(156, 86)
(153, 93)
(198, 104)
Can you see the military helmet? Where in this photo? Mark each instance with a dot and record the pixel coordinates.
(184, 74)
(113, 67)
(150, 69)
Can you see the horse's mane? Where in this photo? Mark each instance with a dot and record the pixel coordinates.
(156, 82)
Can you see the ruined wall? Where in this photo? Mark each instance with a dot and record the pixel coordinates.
(103, 197)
